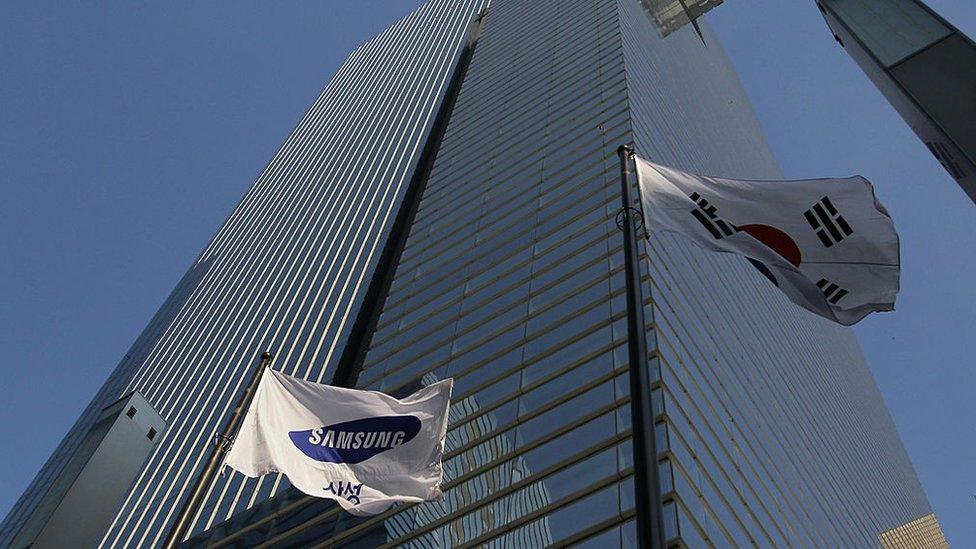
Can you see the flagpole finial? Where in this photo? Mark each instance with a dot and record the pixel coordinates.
(266, 356)
(625, 149)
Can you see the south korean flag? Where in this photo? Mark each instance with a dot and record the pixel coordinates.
(828, 244)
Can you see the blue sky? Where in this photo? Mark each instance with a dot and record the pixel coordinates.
(128, 132)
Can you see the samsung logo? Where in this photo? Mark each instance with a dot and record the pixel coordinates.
(357, 440)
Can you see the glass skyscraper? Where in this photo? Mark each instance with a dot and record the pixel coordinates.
(923, 66)
(446, 209)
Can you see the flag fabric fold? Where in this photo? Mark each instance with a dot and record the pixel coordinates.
(364, 449)
(828, 244)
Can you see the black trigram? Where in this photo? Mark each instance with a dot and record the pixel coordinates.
(705, 214)
(830, 226)
(831, 291)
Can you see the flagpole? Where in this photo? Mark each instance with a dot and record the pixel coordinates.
(650, 521)
(222, 444)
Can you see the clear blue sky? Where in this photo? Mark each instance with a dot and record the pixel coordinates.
(129, 131)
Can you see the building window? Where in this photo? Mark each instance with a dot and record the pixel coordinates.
(151, 434)
(132, 412)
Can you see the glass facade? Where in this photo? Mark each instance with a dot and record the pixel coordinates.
(924, 67)
(511, 281)
(777, 435)
(891, 29)
(924, 532)
(671, 15)
(770, 429)
(285, 274)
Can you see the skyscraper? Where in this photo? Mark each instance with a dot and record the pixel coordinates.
(445, 209)
(924, 67)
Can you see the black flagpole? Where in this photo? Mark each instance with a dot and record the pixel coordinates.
(222, 443)
(650, 522)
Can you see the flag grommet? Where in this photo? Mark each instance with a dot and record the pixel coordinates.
(637, 214)
(223, 441)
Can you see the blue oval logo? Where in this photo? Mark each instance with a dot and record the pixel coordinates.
(357, 440)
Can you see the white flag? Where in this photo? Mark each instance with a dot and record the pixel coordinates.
(828, 244)
(364, 449)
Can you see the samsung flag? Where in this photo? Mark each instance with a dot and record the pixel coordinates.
(828, 244)
(364, 449)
